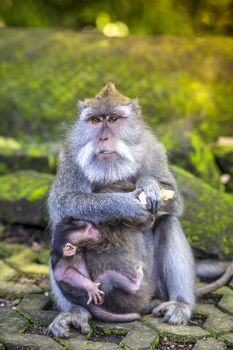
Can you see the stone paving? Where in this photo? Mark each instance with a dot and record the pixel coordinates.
(26, 310)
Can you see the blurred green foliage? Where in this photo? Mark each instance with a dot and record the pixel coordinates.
(44, 72)
(179, 17)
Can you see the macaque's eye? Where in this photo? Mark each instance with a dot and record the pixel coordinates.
(96, 120)
(113, 118)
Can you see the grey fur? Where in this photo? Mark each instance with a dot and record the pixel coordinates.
(143, 161)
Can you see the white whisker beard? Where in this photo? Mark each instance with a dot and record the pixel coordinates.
(103, 171)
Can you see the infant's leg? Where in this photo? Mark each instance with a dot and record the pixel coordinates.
(112, 279)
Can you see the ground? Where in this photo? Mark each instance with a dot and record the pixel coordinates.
(26, 309)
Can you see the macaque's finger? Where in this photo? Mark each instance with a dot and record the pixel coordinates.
(142, 197)
(95, 299)
(99, 299)
(89, 300)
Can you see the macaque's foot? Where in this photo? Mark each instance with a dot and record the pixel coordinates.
(173, 312)
(95, 295)
(137, 280)
(60, 326)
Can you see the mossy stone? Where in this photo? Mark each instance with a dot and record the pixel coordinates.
(29, 341)
(182, 333)
(15, 156)
(28, 261)
(187, 150)
(207, 218)
(209, 344)
(224, 158)
(22, 197)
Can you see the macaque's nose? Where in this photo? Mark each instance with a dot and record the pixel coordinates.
(103, 138)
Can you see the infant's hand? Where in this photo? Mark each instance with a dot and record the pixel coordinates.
(96, 296)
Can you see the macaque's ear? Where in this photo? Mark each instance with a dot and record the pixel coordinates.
(135, 104)
(81, 106)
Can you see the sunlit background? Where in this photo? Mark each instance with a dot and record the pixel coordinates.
(119, 18)
(176, 56)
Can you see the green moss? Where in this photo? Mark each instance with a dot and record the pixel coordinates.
(30, 262)
(8, 249)
(178, 78)
(187, 150)
(203, 160)
(222, 150)
(207, 218)
(24, 184)
(24, 328)
(7, 272)
(8, 144)
(24, 314)
(63, 343)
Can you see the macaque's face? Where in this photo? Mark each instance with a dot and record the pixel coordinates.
(106, 138)
(106, 129)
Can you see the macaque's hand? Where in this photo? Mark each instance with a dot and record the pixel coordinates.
(148, 192)
(129, 209)
(95, 295)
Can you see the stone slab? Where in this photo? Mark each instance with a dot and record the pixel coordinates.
(209, 344)
(185, 333)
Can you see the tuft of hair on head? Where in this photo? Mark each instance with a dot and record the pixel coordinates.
(108, 94)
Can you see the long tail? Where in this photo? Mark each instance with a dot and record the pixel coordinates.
(210, 268)
(227, 274)
(104, 315)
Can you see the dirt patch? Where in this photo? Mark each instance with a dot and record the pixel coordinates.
(197, 321)
(9, 303)
(35, 237)
(166, 344)
(39, 330)
(107, 338)
(210, 299)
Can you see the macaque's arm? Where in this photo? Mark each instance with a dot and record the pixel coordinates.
(157, 176)
(71, 196)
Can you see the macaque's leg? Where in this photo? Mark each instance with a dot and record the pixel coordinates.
(113, 279)
(71, 314)
(77, 276)
(61, 325)
(174, 271)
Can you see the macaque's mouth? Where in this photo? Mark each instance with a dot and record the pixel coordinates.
(107, 155)
(106, 152)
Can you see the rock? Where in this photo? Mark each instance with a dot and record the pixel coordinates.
(14, 156)
(207, 218)
(224, 157)
(209, 344)
(182, 333)
(187, 150)
(23, 196)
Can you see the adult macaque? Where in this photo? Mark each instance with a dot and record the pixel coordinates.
(107, 143)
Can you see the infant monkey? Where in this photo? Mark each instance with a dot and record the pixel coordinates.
(70, 270)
